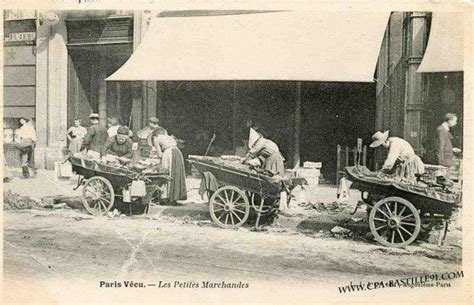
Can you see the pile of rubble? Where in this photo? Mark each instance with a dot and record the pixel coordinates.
(332, 208)
(14, 201)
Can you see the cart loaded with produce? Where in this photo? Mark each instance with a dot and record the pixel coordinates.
(110, 182)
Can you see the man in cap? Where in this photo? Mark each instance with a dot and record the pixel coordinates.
(153, 125)
(401, 157)
(96, 135)
(120, 145)
(145, 135)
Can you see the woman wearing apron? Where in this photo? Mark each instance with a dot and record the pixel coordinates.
(172, 162)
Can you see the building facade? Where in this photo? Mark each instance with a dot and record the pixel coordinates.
(412, 104)
(55, 69)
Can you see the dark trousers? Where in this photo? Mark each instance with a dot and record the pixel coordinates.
(27, 156)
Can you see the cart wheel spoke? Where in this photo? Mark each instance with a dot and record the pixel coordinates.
(226, 196)
(408, 232)
(393, 236)
(388, 209)
(408, 224)
(232, 219)
(403, 210)
(238, 210)
(378, 228)
(401, 236)
(395, 209)
(217, 210)
(240, 219)
(106, 206)
(222, 199)
(226, 218)
(237, 199)
(382, 212)
(407, 216)
(219, 218)
(232, 197)
(380, 219)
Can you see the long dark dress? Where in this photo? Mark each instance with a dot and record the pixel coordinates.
(172, 161)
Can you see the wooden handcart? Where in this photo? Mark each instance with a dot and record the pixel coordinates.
(240, 190)
(103, 185)
(398, 211)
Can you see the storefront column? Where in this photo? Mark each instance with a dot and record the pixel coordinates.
(102, 93)
(148, 108)
(297, 127)
(235, 117)
(136, 107)
(51, 94)
(414, 110)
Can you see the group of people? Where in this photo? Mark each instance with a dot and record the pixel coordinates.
(116, 140)
(402, 160)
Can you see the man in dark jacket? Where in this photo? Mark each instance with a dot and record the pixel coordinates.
(96, 135)
(120, 145)
(444, 150)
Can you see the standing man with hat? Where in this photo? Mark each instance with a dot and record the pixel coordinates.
(96, 135)
(401, 157)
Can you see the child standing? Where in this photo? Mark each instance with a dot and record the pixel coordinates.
(75, 135)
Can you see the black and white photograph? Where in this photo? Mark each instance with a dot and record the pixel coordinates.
(265, 153)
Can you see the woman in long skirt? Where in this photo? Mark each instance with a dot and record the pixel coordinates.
(172, 161)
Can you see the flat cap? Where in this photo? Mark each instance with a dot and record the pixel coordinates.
(94, 116)
(154, 120)
(123, 130)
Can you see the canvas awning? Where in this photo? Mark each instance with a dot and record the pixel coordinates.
(444, 52)
(306, 46)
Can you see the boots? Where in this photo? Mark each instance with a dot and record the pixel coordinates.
(26, 172)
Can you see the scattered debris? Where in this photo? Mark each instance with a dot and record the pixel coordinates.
(357, 219)
(114, 213)
(340, 230)
(333, 207)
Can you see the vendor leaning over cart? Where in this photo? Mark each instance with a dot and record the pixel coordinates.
(119, 145)
(401, 159)
(96, 135)
(172, 162)
(266, 154)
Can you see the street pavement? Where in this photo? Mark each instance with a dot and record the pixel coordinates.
(180, 243)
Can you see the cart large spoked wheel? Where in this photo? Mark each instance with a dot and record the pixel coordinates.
(229, 207)
(98, 195)
(394, 222)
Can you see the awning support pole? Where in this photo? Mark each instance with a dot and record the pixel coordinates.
(297, 127)
(235, 114)
(102, 93)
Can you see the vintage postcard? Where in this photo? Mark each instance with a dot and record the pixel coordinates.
(215, 152)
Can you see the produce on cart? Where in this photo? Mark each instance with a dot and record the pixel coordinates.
(240, 189)
(398, 211)
(116, 182)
